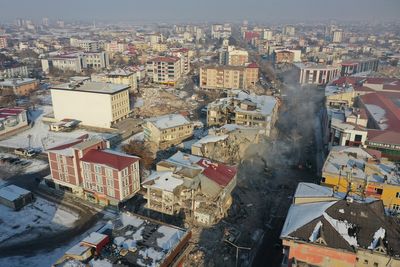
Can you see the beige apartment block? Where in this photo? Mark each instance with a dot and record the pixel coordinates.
(168, 130)
(228, 77)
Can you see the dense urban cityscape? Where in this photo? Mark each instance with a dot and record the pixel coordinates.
(214, 142)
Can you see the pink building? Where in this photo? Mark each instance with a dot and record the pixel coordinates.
(89, 169)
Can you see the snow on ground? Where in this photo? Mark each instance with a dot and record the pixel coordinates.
(40, 135)
(138, 103)
(47, 258)
(35, 218)
(33, 165)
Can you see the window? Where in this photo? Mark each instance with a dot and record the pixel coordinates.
(109, 172)
(97, 168)
(125, 172)
(87, 185)
(110, 182)
(379, 191)
(398, 195)
(99, 179)
(86, 166)
(86, 175)
(99, 188)
(396, 207)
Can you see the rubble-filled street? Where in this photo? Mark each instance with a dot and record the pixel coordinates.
(266, 180)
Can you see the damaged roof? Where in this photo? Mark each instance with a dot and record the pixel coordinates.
(343, 225)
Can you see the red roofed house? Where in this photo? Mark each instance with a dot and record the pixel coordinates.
(195, 186)
(87, 168)
(165, 70)
(12, 119)
(383, 109)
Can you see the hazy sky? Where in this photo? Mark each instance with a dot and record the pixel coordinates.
(200, 10)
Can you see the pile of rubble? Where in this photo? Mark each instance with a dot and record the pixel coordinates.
(157, 102)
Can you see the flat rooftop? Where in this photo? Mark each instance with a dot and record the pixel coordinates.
(92, 87)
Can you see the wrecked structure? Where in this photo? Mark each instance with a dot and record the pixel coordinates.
(226, 144)
(130, 240)
(323, 230)
(243, 108)
(199, 188)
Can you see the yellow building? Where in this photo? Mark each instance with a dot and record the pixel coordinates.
(357, 171)
(228, 77)
(167, 130)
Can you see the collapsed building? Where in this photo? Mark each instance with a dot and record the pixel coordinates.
(245, 109)
(199, 188)
(130, 240)
(323, 229)
(226, 144)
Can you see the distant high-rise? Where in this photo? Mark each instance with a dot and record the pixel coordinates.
(45, 22)
(288, 30)
(337, 36)
(60, 23)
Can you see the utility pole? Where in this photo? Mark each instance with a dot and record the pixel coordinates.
(237, 250)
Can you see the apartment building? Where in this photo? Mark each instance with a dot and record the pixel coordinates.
(352, 67)
(221, 31)
(363, 173)
(115, 47)
(286, 56)
(234, 57)
(12, 119)
(323, 228)
(222, 77)
(15, 71)
(168, 130)
(337, 36)
(76, 61)
(87, 45)
(164, 70)
(19, 86)
(288, 30)
(87, 168)
(315, 74)
(3, 42)
(185, 55)
(244, 109)
(194, 186)
(95, 104)
(118, 76)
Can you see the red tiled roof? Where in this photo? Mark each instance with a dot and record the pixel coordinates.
(114, 160)
(165, 59)
(384, 100)
(384, 137)
(11, 111)
(219, 173)
(252, 65)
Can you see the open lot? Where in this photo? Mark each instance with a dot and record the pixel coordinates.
(38, 218)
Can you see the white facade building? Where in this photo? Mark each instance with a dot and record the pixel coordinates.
(95, 104)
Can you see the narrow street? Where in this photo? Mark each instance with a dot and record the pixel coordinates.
(291, 158)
